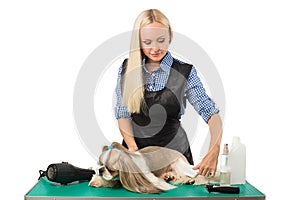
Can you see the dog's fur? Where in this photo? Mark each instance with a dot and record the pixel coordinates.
(145, 171)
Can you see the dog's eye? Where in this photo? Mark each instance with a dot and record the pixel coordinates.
(101, 170)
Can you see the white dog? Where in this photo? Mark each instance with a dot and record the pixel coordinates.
(145, 171)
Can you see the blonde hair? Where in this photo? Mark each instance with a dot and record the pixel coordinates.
(133, 88)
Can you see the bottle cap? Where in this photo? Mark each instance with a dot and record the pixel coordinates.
(225, 149)
(236, 139)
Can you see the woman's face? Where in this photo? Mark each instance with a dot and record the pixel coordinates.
(154, 41)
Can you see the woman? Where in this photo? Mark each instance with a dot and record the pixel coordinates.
(150, 91)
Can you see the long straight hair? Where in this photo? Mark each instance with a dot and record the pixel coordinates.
(133, 88)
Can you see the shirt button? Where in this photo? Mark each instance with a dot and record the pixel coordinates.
(153, 74)
(150, 87)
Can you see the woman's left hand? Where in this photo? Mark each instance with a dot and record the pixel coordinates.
(208, 166)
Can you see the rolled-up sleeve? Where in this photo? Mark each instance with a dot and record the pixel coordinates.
(120, 109)
(198, 98)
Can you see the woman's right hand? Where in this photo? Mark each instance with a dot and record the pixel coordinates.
(133, 148)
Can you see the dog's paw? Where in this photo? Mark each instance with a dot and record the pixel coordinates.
(183, 180)
(96, 181)
(190, 181)
(169, 176)
(200, 180)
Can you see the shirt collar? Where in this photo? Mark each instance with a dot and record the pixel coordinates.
(165, 64)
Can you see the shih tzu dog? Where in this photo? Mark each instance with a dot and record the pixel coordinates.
(146, 171)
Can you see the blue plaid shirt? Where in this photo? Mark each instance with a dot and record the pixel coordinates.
(156, 80)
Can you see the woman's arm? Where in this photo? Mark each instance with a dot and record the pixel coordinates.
(123, 117)
(208, 165)
(127, 133)
(206, 108)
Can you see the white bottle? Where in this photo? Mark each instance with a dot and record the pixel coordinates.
(237, 161)
(225, 170)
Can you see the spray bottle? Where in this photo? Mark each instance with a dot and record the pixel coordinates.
(225, 170)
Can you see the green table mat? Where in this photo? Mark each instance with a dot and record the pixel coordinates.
(45, 189)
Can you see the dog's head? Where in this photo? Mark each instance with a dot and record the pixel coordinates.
(109, 163)
(116, 161)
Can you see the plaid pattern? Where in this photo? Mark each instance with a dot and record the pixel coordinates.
(157, 80)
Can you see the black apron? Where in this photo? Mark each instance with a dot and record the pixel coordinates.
(158, 123)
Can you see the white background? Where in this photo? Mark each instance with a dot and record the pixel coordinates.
(255, 46)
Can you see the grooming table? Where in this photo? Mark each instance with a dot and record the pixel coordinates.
(45, 190)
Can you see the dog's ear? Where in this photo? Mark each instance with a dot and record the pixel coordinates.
(133, 179)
